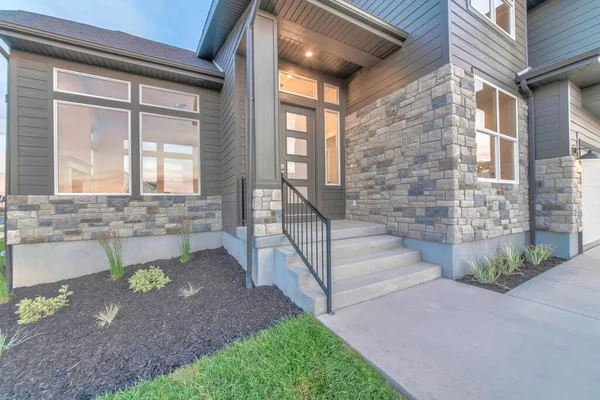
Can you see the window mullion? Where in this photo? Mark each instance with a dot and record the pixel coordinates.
(492, 11)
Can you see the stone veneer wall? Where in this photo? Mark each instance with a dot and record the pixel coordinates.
(267, 209)
(411, 164)
(39, 219)
(559, 206)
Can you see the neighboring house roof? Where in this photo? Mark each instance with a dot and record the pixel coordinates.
(104, 37)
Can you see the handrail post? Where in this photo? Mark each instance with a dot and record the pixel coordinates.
(283, 205)
(329, 283)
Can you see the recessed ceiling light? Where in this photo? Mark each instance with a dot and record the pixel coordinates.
(289, 76)
(309, 54)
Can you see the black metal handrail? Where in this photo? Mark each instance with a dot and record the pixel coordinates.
(309, 232)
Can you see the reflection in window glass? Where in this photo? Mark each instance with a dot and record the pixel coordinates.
(503, 16)
(296, 147)
(297, 170)
(485, 116)
(296, 122)
(97, 86)
(332, 94)
(297, 85)
(332, 161)
(173, 166)
(486, 167)
(483, 6)
(507, 160)
(90, 149)
(508, 114)
(169, 99)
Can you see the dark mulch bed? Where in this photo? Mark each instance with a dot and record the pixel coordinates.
(506, 283)
(155, 332)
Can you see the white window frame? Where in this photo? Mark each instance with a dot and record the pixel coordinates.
(338, 146)
(492, 17)
(497, 136)
(337, 91)
(103, 78)
(56, 176)
(141, 150)
(169, 91)
(281, 71)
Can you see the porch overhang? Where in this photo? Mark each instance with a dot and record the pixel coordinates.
(22, 38)
(341, 37)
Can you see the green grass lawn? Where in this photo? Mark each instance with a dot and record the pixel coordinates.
(297, 359)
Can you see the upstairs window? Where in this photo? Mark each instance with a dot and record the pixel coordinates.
(496, 134)
(500, 12)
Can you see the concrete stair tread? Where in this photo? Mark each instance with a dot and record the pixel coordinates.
(377, 243)
(358, 282)
(342, 262)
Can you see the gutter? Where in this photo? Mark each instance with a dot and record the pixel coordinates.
(579, 62)
(531, 165)
(23, 32)
(250, 132)
(8, 270)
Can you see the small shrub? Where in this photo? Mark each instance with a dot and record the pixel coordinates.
(144, 280)
(538, 254)
(4, 292)
(111, 243)
(190, 290)
(510, 256)
(7, 343)
(185, 253)
(106, 317)
(485, 271)
(33, 310)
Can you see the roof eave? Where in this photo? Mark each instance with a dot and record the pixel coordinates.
(9, 29)
(560, 67)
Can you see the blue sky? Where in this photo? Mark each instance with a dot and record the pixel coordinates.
(175, 22)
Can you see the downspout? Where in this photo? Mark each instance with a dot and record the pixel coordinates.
(8, 270)
(532, 175)
(250, 127)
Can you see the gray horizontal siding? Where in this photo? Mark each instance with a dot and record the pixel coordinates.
(31, 134)
(230, 128)
(479, 46)
(551, 121)
(583, 122)
(560, 29)
(423, 51)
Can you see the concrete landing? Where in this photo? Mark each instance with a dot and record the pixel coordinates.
(447, 340)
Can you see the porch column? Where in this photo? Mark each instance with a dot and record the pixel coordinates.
(266, 108)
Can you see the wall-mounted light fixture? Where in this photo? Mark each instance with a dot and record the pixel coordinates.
(309, 54)
(576, 150)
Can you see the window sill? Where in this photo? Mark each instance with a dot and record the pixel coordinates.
(487, 180)
(495, 28)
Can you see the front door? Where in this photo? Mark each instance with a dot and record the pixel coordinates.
(297, 128)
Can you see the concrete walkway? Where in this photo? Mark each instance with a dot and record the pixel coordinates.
(447, 340)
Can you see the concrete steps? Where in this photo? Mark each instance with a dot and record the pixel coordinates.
(365, 265)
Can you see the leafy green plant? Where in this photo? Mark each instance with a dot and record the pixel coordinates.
(537, 254)
(4, 292)
(486, 270)
(33, 310)
(8, 342)
(510, 255)
(190, 290)
(106, 317)
(185, 252)
(113, 248)
(144, 280)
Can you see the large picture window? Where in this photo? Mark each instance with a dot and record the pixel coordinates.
(89, 154)
(496, 134)
(170, 154)
(500, 12)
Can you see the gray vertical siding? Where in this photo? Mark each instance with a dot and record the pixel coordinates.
(230, 127)
(551, 121)
(560, 29)
(479, 46)
(423, 51)
(32, 129)
(582, 121)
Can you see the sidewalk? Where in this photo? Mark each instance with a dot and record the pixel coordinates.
(447, 340)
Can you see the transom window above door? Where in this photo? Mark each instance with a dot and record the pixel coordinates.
(297, 85)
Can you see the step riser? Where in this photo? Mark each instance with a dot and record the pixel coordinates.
(365, 293)
(340, 249)
(305, 279)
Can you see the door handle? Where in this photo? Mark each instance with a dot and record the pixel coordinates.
(282, 166)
